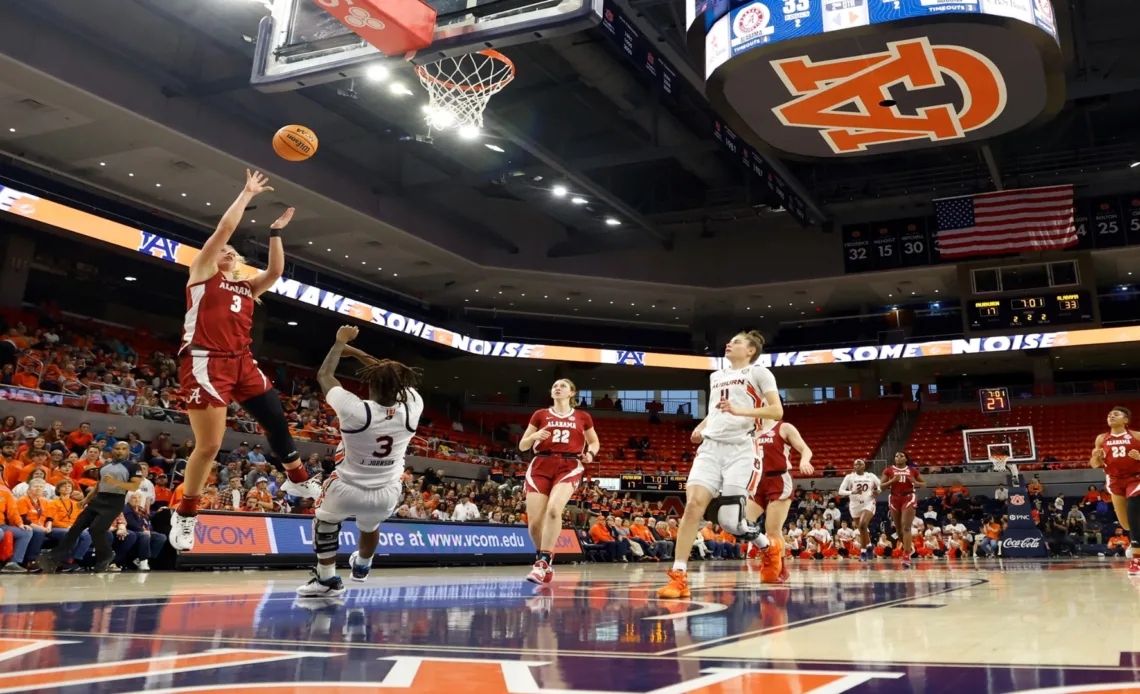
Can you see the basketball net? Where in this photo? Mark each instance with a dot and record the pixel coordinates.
(999, 461)
(459, 88)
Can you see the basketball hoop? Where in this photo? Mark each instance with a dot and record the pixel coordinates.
(999, 461)
(459, 88)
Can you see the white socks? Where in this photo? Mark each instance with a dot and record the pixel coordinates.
(679, 565)
(326, 571)
(762, 541)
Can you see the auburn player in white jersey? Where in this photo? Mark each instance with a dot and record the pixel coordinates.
(861, 487)
(739, 398)
(375, 434)
(773, 495)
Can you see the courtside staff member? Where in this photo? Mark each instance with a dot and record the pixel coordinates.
(102, 506)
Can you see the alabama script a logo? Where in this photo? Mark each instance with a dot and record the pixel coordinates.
(841, 98)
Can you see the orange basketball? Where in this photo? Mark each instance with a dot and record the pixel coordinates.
(295, 143)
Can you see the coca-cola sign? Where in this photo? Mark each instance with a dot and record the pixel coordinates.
(1022, 543)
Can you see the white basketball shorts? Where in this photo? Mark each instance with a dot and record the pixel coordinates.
(859, 506)
(370, 506)
(728, 467)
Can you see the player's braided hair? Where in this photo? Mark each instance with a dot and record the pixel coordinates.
(756, 340)
(389, 381)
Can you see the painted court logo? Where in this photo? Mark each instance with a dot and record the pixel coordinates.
(844, 98)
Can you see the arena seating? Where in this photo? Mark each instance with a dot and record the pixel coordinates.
(1063, 432)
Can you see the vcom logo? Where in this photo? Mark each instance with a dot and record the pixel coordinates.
(826, 92)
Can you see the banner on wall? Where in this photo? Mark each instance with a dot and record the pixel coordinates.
(147, 243)
(277, 535)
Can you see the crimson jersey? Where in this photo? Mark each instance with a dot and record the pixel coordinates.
(219, 315)
(906, 486)
(567, 432)
(1116, 447)
(773, 451)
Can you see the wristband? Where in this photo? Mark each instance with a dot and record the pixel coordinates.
(274, 233)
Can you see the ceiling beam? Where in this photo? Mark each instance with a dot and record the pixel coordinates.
(583, 182)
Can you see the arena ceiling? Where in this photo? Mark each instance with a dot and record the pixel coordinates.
(100, 90)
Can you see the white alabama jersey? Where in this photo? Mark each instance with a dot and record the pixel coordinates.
(845, 535)
(863, 487)
(917, 526)
(374, 438)
(744, 387)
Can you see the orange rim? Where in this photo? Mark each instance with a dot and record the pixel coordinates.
(490, 53)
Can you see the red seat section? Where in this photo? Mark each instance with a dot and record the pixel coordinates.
(1062, 431)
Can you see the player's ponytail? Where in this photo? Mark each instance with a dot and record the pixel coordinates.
(389, 381)
(756, 340)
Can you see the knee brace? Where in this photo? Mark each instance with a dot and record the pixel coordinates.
(266, 409)
(729, 512)
(326, 538)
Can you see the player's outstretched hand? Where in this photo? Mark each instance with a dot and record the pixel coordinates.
(284, 219)
(346, 334)
(256, 182)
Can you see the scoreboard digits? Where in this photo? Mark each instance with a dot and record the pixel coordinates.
(631, 482)
(994, 399)
(1030, 311)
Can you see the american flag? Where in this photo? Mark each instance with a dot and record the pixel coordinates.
(1008, 221)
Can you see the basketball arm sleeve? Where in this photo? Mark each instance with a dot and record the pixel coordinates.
(845, 487)
(350, 410)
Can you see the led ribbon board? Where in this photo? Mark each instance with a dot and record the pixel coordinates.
(94, 227)
(827, 78)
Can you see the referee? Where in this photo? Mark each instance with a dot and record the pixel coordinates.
(102, 506)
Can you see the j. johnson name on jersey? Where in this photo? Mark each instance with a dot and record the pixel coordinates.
(237, 289)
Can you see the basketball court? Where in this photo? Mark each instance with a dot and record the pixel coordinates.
(968, 626)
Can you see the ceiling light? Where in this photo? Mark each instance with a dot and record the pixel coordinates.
(157, 185)
(208, 204)
(399, 89)
(1132, 166)
(632, 304)
(440, 118)
(395, 274)
(524, 294)
(912, 293)
(310, 243)
(469, 132)
(559, 191)
(292, 323)
(567, 298)
(130, 279)
(363, 262)
(131, 175)
(102, 163)
(466, 301)
(11, 130)
(578, 201)
(748, 309)
(500, 291)
(377, 73)
(674, 308)
(610, 221)
(254, 221)
(184, 195)
(589, 301)
(494, 148)
(476, 291)
(536, 178)
(611, 302)
(545, 296)
(345, 256)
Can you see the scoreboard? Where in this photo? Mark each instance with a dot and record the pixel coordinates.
(994, 399)
(1045, 309)
(631, 482)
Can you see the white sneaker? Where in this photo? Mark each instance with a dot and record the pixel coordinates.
(182, 531)
(144, 565)
(318, 588)
(538, 572)
(309, 489)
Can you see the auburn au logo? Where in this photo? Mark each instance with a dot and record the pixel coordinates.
(841, 98)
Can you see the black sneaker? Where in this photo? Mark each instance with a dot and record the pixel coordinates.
(321, 588)
(49, 563)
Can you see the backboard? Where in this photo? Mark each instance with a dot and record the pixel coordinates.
(1017, 443)
(300, 44)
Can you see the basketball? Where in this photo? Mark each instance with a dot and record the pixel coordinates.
(295, 143)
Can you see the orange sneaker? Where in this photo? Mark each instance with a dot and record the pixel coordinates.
(678, 586)
(772, 560)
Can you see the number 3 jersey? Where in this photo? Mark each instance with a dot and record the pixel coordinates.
(1117, 462)
(744, 388)
(567, 431)
(374, 438)
(219, 315)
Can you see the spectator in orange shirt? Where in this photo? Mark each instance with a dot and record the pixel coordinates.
(26, 378)
(600, 534)
(60, 473)
(12, 522)
(639, 533)
(12, 464)
(162, 492)
(52, 377)
(259, 500)
(1035, 489)
(1118, 543)
(39, 461)
(940, 492)
(1091, 496)
(990, 543)
(25, 451)
(958, 492)
(708, 535)
(78, 440)
(729, 548)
